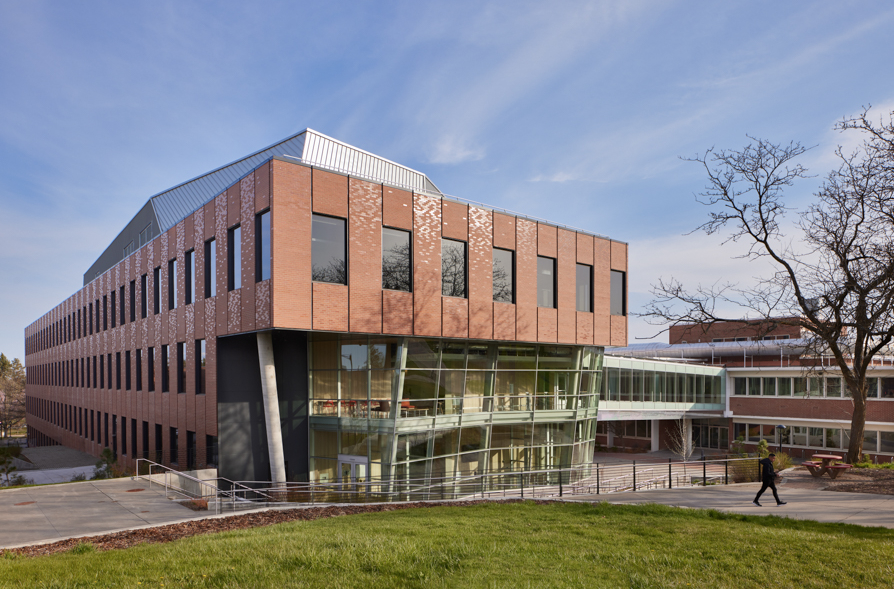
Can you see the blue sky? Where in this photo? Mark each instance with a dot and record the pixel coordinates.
(571, 111)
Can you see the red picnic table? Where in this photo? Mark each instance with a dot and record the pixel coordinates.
(818, 469)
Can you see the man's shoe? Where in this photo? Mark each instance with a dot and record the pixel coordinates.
(780, 503)
(756, 503)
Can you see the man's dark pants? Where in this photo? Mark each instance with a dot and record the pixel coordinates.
(767, 483)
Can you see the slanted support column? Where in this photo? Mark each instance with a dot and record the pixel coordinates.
(271, 408)
(656, 429)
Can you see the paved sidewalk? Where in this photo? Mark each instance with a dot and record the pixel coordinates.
(808, 504)
(35, 515)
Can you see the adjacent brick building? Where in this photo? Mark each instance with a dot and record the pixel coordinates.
(160, 355)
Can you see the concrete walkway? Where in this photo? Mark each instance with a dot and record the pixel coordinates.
(807, 504)
(36, 515)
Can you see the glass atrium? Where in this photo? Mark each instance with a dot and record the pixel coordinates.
(424, 411)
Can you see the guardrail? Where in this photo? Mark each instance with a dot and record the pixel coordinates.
(590, 479)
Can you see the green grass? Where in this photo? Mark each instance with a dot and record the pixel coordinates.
(512, 545)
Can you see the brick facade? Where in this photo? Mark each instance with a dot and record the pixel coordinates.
(61, 360)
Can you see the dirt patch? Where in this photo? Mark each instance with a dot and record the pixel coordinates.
(172, 532)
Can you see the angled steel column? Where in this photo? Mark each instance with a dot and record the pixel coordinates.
(271, 408)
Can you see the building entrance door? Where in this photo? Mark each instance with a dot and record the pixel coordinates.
(352, 472)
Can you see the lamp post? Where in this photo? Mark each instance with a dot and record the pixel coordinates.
(779, 429)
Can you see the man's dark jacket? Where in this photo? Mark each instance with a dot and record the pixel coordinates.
(767, 472)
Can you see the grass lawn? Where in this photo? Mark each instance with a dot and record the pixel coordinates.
(515, 545)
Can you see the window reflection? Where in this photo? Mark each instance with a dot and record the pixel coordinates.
(504, 276)
(453, 268)
(328, 257)
(396, 260)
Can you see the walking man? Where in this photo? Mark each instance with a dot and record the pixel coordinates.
(768, 476)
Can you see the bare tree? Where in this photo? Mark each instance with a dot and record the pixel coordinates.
(680, 440)
(837, 283)
(12, 394)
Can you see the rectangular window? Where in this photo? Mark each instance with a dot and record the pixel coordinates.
(105, 312)
(133, 301)
(122, 306)
(144, 307)
(127, 370)
(262, 246)
(97, 315)
(234, 258)
(200, 367)
(150, 370)
(618, 293)
(165, 372)
(396, 274)
(91, 318)
(102, 371)
(189, 276)
(123, 435)
(546, 282)
(329, 259)
(584, 291)
(453, 268)
(173, 446)
(112, 308)
(172, 284)
(139, 369)
(210, 269)
(156, 291)
(504, 276)
(94, 372)
(109, 368)
(118, 370)
(181, 368)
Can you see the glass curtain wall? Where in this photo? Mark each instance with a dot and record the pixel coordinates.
(438, 409)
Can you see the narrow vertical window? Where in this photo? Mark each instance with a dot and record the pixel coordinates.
(329, 261)
(156, 290)
(584, 291)
(105, 312)
(546, 282)
(165, 370)
(210, 269)
(262, 246)
(112, 307)
(127, 370)
(172, 284)
(144, 296)
(618, 293)
(504, 276)
(396, 266)
(234, 258)
(181, 368)
(139, 360)
(173, 444)
(453, 268)
(97, 315)
(133, 301)
(118, 370)
(102, 371)
(189, 275)
(91, 318)
(200, 367)
(150, 369)
(122, 306)
(94, 373)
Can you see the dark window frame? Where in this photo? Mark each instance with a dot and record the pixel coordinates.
(234, 266)
(189, 272)
(554, 283)
(329, 272)
(512, 285)
(589, 302)
(395, 284)
(621, 278)
(210, 268)
(156, 290)
(172, 284)
(262, 246)
(465, 272)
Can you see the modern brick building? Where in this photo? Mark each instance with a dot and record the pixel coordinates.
(315, 312)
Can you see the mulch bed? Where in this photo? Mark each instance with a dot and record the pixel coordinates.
(171, 532)
(865, 480)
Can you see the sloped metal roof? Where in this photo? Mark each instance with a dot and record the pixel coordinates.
(310, 147)
(709, 349)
